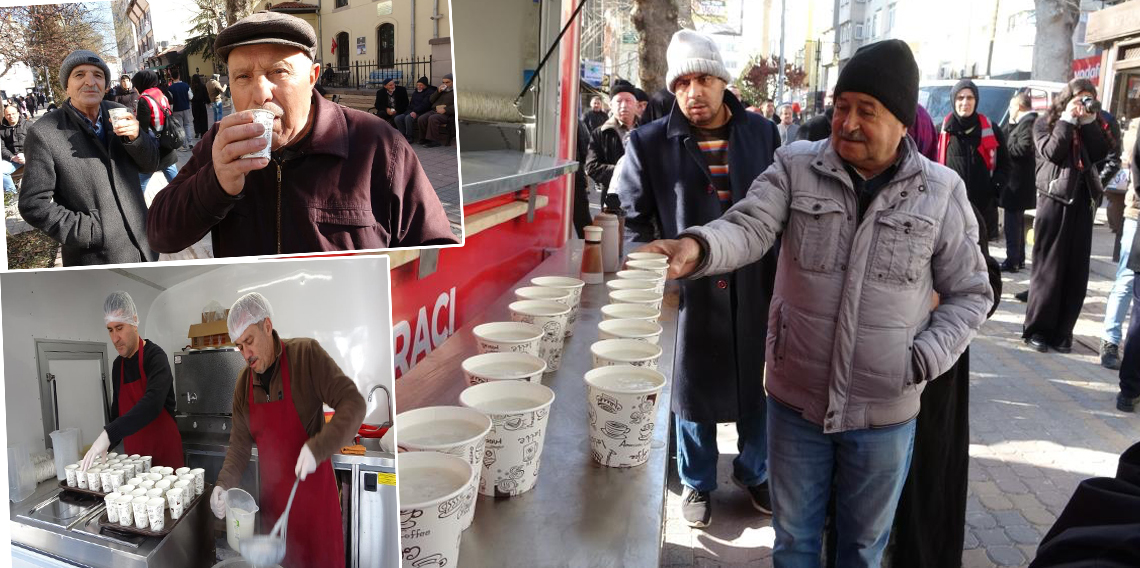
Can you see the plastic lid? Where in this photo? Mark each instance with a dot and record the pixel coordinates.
(593, 233)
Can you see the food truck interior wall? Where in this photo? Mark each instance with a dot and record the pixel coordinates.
(54, 305)
(343, 304)
(495, 66)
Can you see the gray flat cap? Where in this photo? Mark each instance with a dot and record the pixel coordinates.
(267, 27)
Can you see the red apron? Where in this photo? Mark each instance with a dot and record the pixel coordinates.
(159, 439)
(315, 537)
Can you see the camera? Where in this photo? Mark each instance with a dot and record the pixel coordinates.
(1091, 104)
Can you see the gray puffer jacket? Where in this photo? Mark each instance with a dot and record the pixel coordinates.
(851, 335)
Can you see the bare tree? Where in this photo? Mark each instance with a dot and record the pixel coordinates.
(236, 10)
(655, 22)
(40, 36)
(685, 14)
(1053, 44)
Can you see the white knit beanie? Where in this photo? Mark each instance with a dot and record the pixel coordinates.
(693, 52)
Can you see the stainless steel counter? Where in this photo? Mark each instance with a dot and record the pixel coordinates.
(490, 173)
(579, 513)
(44, 526)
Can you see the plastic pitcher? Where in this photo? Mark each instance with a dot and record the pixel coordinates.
(21, 473)
(66, 444)
(241, 512)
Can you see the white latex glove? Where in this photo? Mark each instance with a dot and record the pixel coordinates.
(218, 502)
(99, 448)
(306, 463)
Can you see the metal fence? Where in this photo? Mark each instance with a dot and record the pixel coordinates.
(369, 75)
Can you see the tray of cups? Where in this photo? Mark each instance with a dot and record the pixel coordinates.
(81, 491)
(168, 521)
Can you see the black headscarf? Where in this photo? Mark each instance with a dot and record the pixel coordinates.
(967, 125)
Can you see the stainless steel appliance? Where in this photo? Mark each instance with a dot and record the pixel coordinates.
(368, 501)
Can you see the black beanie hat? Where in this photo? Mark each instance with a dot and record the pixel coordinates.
(963, 84)
(887, 71)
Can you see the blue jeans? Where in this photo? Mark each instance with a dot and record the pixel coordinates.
(218, 110)
(869, 468)
(1121, 294)
(7, 169)
(697, 453)
(168, 172)
(406, 125)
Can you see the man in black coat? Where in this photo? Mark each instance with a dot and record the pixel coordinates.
(81, 181)
(391, 100)
(125, 93)
(682, 171)
(13, 131)
(607, 142)
(1020, 191)
(597, 114)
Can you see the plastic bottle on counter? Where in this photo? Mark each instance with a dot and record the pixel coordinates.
(611, 241)
(613, 207)
(592, 256)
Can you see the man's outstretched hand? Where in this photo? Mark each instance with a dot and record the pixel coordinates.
(684, 255)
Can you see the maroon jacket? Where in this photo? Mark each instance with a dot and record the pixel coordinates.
(380, 198)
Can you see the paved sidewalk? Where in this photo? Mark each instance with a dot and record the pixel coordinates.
(1040, 423)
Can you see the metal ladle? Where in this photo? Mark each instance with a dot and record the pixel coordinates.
(269, 550)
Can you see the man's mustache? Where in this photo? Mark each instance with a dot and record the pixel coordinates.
(853, 136)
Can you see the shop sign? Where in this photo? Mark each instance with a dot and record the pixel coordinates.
(412, 341)
(1087, 68)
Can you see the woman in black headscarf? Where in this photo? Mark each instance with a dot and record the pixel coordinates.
(198, 106)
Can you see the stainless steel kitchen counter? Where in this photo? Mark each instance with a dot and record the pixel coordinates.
(579, 513)
(489, 173)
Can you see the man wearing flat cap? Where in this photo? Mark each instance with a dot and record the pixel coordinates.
(870, 230)
(308, 196)
(81, 181)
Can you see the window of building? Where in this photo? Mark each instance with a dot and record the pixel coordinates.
(875, 31)
(386, 45)
(342, 50)
(341, 3)
(858, 32)
(890, 25)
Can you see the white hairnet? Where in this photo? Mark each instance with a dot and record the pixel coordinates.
(120, 308)
(246, 311)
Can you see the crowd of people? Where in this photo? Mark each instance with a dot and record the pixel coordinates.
(864, 228)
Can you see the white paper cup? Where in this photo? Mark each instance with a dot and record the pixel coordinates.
(118, 478)
(454, 430)
(125, 510)
(639, 329)
(147, 462)
(117, 115)
(608, 352)
(199, 480)
(174, 500)
(518, 413)
(135, 457)
(81, 479)
(630, 284)
(503, 336)
(154, 476)
(164, 485)
(181, 471)
(630, 311)
(656, 267)
(166, 471)
(152, 493)
(94, 480)
(647, 256)
(189, 479)
(264, 118)
(138, 509)
(156, 513)
(72, 478)
(561, 295)
(503, 367)
(128, 469)
(432, 487)
(148, 484)
(572, 285)
(110, 500)
(187, 491)
(622, 408)
(552, 318)
(136, 481)
(106, 480)
(171, 478)
(112, 455)
(126, 488)
(643, 297)
(138, 492)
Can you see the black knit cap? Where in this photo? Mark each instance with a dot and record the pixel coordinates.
(267, 27)
(887, 71)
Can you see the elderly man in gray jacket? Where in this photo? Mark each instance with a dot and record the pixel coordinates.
(871, 232)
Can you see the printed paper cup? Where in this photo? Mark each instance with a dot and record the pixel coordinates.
(187, 491)
(504, 336)
(111, 500)
(630, 311)
(609, 352)
(621, 408)
(552, 318)
(647, 256)
(562, 295)
(174, 500)
(199, 480)
(189, 479)
(264, 118)
(639, 329)
(156, 513)
(72, 478)
(93, 479)
(454, 430)
(518, 413)
(630, 284)
(125, 510)
(138, 508)
(503, 367)
(644, 297)
(572, 285)
(660, 268)
(432, 487)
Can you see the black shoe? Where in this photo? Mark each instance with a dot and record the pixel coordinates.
(1126, 404)
(1064, 346)
(761, 499)
(1109, 355)
(1037, 341)
(1007, 267)
(1022, 296)
(696, 507)
(432, 144)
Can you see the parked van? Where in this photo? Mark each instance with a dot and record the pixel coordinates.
(993, 97)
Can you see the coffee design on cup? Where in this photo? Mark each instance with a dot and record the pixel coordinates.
(615, 430)
(412, 555)
(593, 416)
(508, 486)
(468, 500)
(529, 452)
(646, 432)
(408, 518)
(551, 330)
(488, 457)
(450, 507)
(609, 403)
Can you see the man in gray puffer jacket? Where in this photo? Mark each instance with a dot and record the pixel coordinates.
(871, 230)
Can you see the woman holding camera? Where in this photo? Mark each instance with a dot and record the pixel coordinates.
(1071, 138)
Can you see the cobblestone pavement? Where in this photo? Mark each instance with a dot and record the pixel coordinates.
(1040, 423)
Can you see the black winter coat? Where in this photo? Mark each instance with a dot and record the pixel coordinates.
(146, 122)
(962, 156)
(12, 138)
(1020, 192)
(84, 194)
(400, 98)
(723, 322)
(1058, 176)
(420, 101)
(606, 148)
